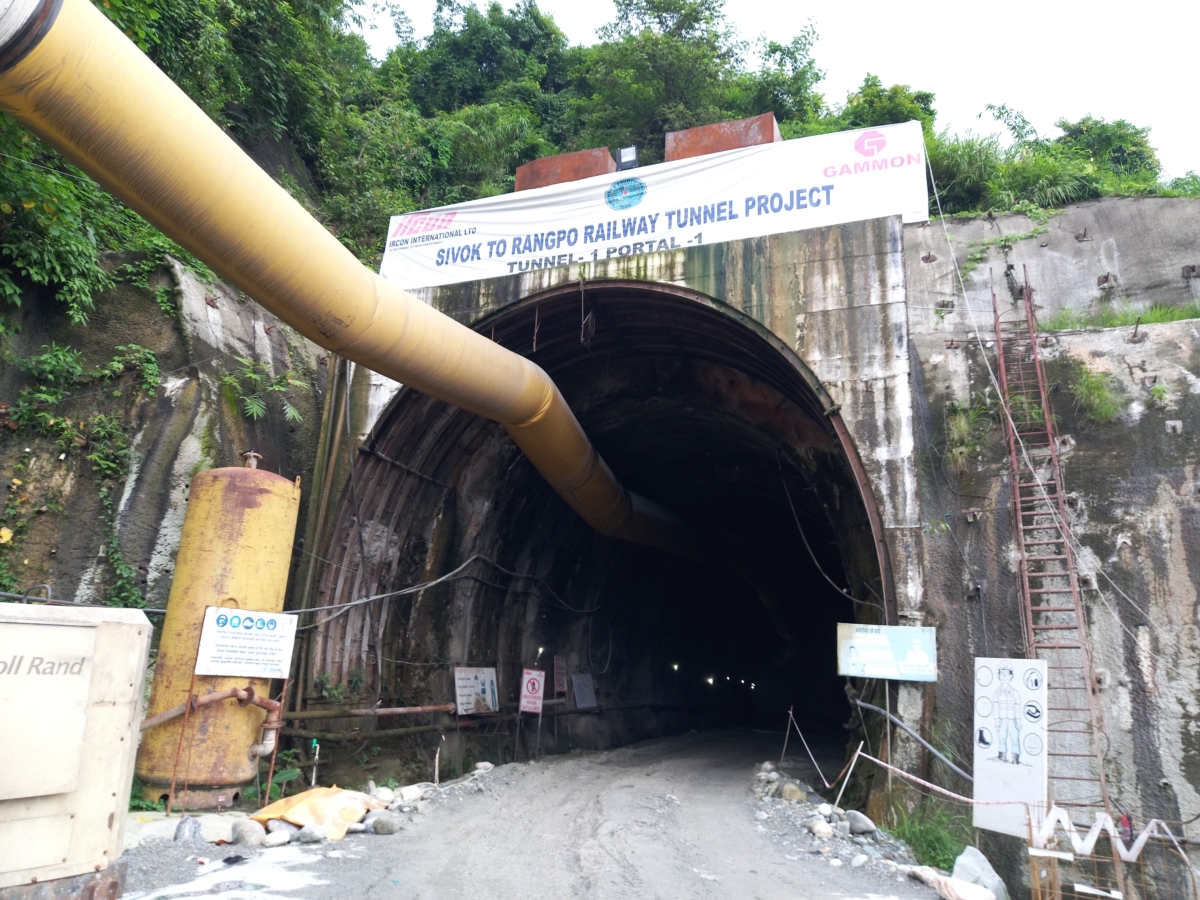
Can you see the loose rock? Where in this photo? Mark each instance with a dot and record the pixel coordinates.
(355, 828)
(859, 824)
(860, 860)
(188, 829)
(483, 767)
(842, 828)
(279, 825)
(835, 862)
(384, 795)
(972, 866)
(312, 834)
(791, 791)
(825, 809)
(822, 830)
(277, 838)
(387, 824)
(409, 793)
(248, 833)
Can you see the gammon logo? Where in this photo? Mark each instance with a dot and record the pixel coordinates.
(870, 142)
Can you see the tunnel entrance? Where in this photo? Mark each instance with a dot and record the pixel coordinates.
(693, 405)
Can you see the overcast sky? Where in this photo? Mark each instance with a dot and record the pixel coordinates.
(1048, 59)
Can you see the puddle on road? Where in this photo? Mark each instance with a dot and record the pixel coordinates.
(262, 877)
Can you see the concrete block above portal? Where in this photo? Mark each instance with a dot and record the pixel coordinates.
(721, 136)
(564, 167)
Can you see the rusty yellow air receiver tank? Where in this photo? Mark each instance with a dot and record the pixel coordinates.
(235, 551)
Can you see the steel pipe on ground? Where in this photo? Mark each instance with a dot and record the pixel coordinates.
(70, 76)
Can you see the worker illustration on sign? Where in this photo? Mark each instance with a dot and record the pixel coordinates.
(1008, 718)
(917, 657)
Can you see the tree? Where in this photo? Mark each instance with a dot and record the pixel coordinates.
(1117, 147)
(661, 66)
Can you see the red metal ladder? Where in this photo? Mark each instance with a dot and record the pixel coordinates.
(1054, 622)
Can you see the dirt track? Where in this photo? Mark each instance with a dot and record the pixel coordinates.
(664, 819)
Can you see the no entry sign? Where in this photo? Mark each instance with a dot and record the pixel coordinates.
(533, 689)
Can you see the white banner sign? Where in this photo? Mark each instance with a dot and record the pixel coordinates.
(246, 643)
(1010, 741)
(895, 652)
(475, 691)
(768, 189)
(533, 690)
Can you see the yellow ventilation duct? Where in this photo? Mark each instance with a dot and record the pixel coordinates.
(71, 77)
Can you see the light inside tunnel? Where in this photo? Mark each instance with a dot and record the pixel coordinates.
(694, 406)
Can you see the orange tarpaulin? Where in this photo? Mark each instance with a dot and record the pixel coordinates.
(332, 807)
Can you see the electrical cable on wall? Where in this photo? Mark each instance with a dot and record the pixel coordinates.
(813, 556)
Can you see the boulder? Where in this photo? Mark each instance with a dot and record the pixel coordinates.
(277, 838)
(949, 887)
(972, 866)
(372, 816)
(388, 824)
(279, 825)
(384, 795)
(825, 809)
(248, 833)
(312, 834)
(409, 793)
(355, 828)
(791, 791)
(821, 829)
(188, 829)
(859, 824)
(842, 828)
(483, 767)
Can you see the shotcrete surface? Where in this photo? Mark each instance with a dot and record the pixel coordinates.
(666, 818)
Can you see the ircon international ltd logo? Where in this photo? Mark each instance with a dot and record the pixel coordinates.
(870, 142)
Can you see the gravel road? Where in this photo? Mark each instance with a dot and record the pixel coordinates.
(668, 818)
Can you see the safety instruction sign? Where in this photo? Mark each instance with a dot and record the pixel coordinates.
(791, 185)
(560, 675)
(585, 691)
(893, 652)
(246, 643)
(1010, 742)
(475, 691)
(533, 690)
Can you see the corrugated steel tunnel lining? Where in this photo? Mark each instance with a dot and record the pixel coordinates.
(693, 406)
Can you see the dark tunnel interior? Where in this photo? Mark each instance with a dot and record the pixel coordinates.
(692, 405)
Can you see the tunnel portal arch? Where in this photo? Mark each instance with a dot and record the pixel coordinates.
(694, 404)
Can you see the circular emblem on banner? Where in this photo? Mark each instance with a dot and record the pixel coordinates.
(222, 620)
(235, 622)
(625, 193)
(260, 624)
(248, 622)
(270, 624)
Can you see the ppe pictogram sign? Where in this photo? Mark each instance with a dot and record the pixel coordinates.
(533, 689)
(246, 643)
